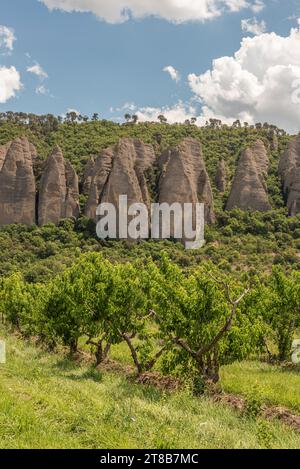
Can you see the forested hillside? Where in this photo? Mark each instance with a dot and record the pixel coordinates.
(239, 240)
(81, 140)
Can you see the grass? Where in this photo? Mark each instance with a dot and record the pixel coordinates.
(48, 401)
(276, 385)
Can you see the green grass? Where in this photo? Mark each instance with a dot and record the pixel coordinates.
(47, 401)
(276, 385)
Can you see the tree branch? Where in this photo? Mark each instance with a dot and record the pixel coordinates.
(227, 326)
(156, 357)
(225, 286)
(134, 355)
(183, 344)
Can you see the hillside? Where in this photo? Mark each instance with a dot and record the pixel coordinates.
(48, 401)
(238, 240)
(81, 141)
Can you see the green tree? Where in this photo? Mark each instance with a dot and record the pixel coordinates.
(130, 315)
(17, 300)
(282, 309)
(203, 316)
(77, 303)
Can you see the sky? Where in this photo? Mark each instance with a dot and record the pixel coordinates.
(226, 59)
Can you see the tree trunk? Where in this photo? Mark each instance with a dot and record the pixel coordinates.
(285, 343)
(101, 353)
(209, 368)
(73, 346)
(133, 352)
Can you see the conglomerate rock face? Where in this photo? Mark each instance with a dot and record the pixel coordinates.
(184, 178)
(59, 192)
(17, 183)
(123, 169)
(249, 190)
(120, 170)
(289, 171)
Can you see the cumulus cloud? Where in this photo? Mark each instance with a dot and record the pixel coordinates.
(10, 83)
(7, 39)
(257, 84)
(38, 71)
(128, 107)
(253, 26)
(177, 11)
(180, 112)
(69, 111)
(73, 111)
(174, 74)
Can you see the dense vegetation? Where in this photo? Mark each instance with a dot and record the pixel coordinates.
(190, 321)
(238, 242)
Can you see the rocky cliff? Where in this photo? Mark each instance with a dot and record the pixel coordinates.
(184, 178)
(120, 170)
(249, 189)
(17, 183)
(123, 168)
(59, 193)
(289, 171)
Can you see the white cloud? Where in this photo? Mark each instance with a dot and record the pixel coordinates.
(38, 71)
(258, 6)
(7, 39)
(42, 90)
(174, 74)
(177, 11)
(126, 107)
(72, 110)
(10, 83)
(42, 75)
(256, 84)
(174, 114)
(253, 26)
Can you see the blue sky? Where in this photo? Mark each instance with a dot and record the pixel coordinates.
(93, 65)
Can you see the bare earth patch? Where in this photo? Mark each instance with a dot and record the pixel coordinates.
(269, 412)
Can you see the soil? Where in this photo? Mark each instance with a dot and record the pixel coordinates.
(269, 412)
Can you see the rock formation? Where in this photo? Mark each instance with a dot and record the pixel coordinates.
(17, 182)
(59, 193)
(289, 171)
(120, 170)
(184, 178)
(221, 176)
(3, 153)
(249, 189)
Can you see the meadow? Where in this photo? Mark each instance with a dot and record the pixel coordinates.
(50, 401)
